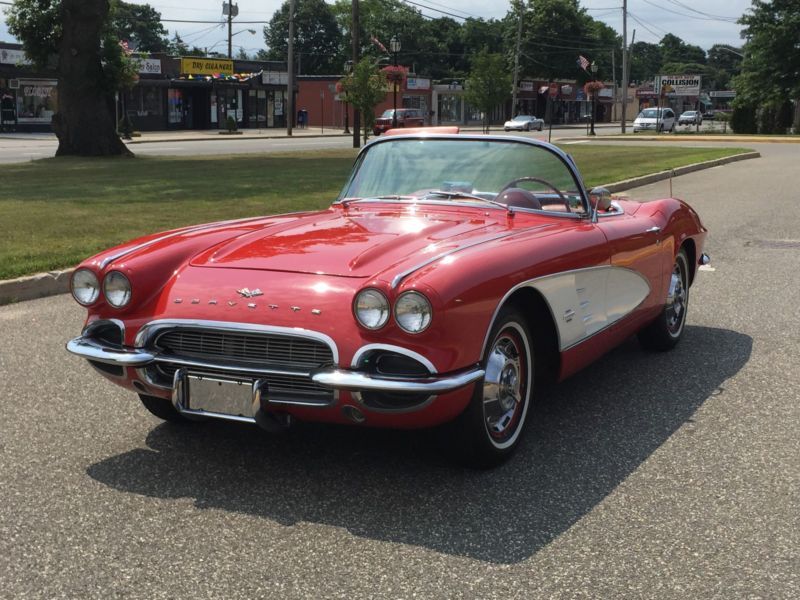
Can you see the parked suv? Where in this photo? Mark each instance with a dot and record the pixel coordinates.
(406, 117)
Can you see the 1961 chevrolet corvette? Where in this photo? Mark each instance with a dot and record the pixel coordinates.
(451, 272)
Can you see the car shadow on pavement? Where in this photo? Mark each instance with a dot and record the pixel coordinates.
(585, 437)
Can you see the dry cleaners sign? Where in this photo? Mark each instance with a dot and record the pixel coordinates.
(678, 85)
(206, 66)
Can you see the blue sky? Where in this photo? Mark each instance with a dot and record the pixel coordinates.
(656, 17)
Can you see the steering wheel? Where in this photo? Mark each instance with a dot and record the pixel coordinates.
(514, 182)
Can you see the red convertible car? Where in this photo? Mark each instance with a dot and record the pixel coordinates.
(452, 272)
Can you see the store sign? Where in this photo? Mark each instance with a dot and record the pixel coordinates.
(525, 86)
(566, 90)
(149, 66)
(678, 85)
(274, 78)
(418, 83)
(606, 93)
(13, 57)
(206, 66)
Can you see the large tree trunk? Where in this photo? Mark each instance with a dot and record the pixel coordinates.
(84, 122)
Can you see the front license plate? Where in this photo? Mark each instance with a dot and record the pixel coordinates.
(221, 396)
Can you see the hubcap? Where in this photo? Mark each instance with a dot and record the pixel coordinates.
(676, 300)
(504, 385)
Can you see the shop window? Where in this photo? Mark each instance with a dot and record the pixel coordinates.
(37, 100)
(175, 106)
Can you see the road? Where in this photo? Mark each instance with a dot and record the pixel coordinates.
(670, 475)
(16, 148)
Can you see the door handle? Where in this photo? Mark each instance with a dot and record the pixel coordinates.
(655, 229)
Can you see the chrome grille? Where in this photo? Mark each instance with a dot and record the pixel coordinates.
(246, 354)
(257, 348)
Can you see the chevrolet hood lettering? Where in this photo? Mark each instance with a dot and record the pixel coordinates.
(246, 293)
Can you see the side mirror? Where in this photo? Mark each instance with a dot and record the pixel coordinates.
(600, 199)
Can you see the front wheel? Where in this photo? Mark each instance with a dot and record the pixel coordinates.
(666, 331)
(489, 430)
(540, 126)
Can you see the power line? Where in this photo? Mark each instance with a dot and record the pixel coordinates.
(688, 15)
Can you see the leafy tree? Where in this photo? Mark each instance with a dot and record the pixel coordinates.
(317, 37)
(725, 58)
(78, 38)
(139, 25)
(488, 85)
(646, 61)
(365, 87)
(769, 75)
(177, 47)
(674, 49)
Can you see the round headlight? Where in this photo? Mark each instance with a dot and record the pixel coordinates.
(413, 312)
(85, 287)
(372, 309)
(117, 289)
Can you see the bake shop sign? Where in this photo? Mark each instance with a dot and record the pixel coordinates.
(678, 85)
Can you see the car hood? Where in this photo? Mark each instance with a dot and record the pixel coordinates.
(354, 242)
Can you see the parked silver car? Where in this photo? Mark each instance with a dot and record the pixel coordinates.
(690, 117)
(524, 123)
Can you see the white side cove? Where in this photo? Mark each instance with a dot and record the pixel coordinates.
(586, 301)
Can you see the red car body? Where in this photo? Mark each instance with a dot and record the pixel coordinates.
(296, 276)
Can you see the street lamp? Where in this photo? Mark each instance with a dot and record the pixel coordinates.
(394, 46)
(348, 68)
(594, 96)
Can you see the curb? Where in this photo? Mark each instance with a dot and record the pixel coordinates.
(692, 138)
(224, 138)
(34, 286)
(626, 184)
(57, 282)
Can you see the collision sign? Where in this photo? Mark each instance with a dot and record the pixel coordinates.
(678, 85)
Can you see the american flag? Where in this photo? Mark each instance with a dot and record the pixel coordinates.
(582, 62)
(377, 42)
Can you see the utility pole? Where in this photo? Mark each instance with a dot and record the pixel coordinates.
(290, 72)
(625, 62)
(516, 60)
(231, 7)
(614, 79)
(356, 52)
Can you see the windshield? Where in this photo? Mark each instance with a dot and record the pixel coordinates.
(388, 113)
(689, 113)
(521, 118)
(651, 113)
(466, 170)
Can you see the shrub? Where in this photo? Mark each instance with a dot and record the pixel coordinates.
(743, 119)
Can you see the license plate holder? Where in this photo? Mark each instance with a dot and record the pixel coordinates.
(218, 397)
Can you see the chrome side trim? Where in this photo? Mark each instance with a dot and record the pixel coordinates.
(354, 381)
(114, 257)
(149, 331)
(125, 357)
(398, 279)
(390, 348)
(601, 295)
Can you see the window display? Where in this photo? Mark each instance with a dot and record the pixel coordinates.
(37, 100)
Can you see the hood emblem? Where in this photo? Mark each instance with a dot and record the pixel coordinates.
(246, 293)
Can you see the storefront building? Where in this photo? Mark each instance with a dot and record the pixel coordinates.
(170, 94)
(28, 98)
(570, 104)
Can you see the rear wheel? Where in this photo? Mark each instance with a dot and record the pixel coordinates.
(666, 331)
(489, 430)
(163, 409)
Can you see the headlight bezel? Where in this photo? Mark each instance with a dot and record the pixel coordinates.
(108, 279)
(386, 309)
(424, 302)
(97, 286)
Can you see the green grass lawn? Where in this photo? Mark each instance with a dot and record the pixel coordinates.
(56, 212)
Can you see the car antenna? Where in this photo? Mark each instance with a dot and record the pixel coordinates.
(671, 175)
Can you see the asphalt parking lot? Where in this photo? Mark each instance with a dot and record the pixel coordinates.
(645, 476)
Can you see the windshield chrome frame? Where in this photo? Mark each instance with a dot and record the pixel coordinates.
(563, 156)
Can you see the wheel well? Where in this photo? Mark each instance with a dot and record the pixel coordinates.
(540, 323)
(691, 254)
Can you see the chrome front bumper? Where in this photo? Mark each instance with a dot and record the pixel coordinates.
(333, 378)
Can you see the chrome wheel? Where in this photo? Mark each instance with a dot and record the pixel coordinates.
(506, 385)
(677, 299)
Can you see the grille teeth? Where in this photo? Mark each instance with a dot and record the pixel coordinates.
(262, 349)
